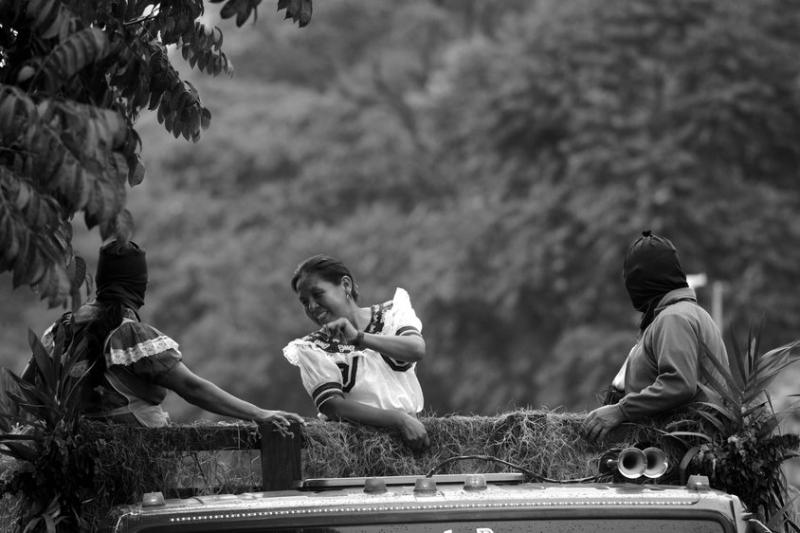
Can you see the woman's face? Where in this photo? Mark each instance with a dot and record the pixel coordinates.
(322, 300)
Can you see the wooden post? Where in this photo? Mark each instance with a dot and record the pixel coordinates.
(280, 456)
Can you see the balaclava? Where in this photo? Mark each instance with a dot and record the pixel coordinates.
(122, 274)
(651, 270)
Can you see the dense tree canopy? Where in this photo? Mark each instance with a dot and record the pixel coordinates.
(495, 163)
(74, 77)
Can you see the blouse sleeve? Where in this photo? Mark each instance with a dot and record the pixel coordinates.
(142, 348)
(321, 378)
(401, 319)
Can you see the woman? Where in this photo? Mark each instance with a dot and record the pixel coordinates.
(131, 363)
(360, 365)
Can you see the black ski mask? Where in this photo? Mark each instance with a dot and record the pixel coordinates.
(122, 274)
(651, 270)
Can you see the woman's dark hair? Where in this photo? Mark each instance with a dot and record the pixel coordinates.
(326, 267)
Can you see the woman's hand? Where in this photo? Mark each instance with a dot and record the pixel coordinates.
(413, 432)
(341, 329)
(202, 393)
(280, 419)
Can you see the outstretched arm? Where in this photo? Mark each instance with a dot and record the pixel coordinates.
(409, 347)
(202, 393)
(411, 429)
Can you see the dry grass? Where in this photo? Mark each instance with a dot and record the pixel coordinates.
(547, 443)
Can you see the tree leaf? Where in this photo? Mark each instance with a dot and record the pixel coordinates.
(12, 238)
(8, 104)
(123, 226)
(79, 50)
(298, 10)
(136, 174)
(44, 363)
(20, 274)
(19, 451)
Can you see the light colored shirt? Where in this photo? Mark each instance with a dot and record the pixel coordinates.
(329, 368)
(663, 370)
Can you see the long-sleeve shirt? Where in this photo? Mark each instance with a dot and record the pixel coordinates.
(663, 370)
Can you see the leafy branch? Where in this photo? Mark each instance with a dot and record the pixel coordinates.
(75, 77)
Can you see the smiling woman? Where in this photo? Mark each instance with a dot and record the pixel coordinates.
(360, 365)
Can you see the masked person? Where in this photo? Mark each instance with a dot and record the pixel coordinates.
(130, 364)
(662, 371)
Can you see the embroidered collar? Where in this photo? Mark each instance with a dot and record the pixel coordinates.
(376, 320)
(375, 325)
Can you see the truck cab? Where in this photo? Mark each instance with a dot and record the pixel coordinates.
(450, 503)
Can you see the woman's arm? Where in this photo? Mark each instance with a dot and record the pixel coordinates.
(411, 429)
(204, 394)
(409, 348)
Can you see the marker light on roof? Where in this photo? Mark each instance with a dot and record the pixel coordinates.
(698, 482)
(425, 486)
(152, 499)
(374, 485)
(475, 482)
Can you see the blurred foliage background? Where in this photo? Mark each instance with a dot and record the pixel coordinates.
(493, 158)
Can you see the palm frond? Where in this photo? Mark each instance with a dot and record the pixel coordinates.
(44, 363)
(714, 421)
(780, 518)
(740, 364)
(732, 414)
(768, 427)
(73, 396)
(20, 451)
(770, 365)
(742, 419)
(729, 388)
(30, 394)
(696, 434)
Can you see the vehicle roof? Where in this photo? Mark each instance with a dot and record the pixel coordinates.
(448, 498)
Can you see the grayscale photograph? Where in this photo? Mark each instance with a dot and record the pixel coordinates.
(447, 266)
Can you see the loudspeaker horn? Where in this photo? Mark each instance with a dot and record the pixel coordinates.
(632, 463)
(656, 462)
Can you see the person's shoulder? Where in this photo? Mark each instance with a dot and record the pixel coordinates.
(399, 300)
(684, 316)
(133, 329)
(679, 308)
(315, 339)
(400, 294)
(683, 310)
(400, 314)
(133, 340)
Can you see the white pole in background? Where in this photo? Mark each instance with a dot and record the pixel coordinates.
(717, 288)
